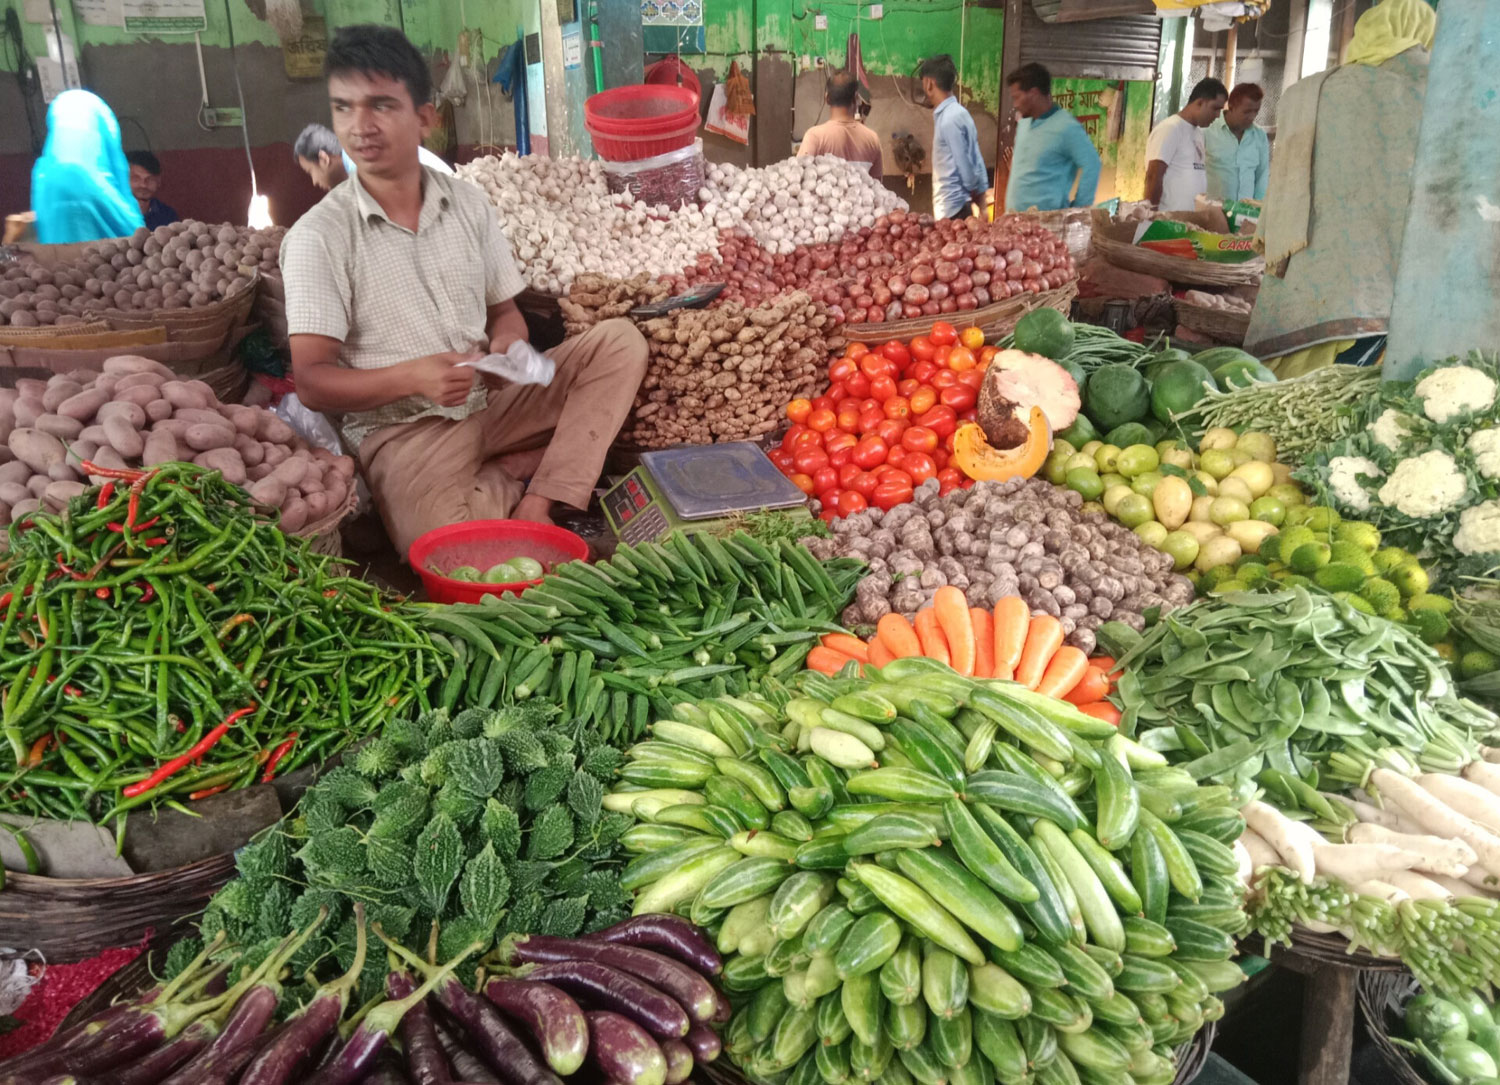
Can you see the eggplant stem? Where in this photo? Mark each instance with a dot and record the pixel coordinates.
(386, 1016)
(170, 990)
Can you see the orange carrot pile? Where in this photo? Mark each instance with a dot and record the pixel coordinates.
(1008, 642)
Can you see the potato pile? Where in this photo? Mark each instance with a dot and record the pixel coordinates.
(137, 412)
(182, 266)
(1022, 537)
(719, 374)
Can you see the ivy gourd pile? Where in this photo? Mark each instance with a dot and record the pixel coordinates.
(930, 878)
(490, 822)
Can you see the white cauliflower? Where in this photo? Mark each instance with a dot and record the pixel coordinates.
(1479, 529)
(1458, 390)
(1390, 428)
(1425, 486)
(1484, 445)
(1343, 480)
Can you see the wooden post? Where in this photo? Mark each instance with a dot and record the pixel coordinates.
(1296, 41)
(1005, 116)
(1347, 19)
(1231, 49)
(1327, 1025)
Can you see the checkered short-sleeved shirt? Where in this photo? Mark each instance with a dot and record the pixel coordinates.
(390, 294)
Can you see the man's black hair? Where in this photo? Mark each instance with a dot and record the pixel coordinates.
(316, 138)
(1207, 90)
(942, 71)
(1030, 77)
(842, 89)
(146, 160)
(380, 50)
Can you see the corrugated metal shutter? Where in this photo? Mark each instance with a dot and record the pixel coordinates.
(1126, 47)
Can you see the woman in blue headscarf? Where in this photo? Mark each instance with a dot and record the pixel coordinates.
(80, 186)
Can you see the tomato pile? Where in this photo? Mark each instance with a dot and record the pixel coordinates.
(886, 423)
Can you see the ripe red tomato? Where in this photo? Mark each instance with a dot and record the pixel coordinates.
(923, 399)
(944, 334)
(825, 478)
(821, 403)
(943, 378)
(941, 360)
(802, 482)
(848, 472)
(961, 359)
(798, 409)
(858, 384)
(940, 456)
(922, 349)
(973, 378)
(829, 499)
(854, 350)
(875, 365)
(959, 397)
(987, 355)
(919, 466)
(869, 419)
(950, 476)
(809, 460)
(890, 492)
(900, 474)
(898, 453)
(949, 440)
(897, 407)
(848, 417)
(891, 429)
(864, 483)
(837, 394)
(840, 456)
(907, 386)
(970, 415)
(897, 352)
(869, 403)
(972, 337)
(808, 438)
(919, 439)
(924, 371)
(781, 458)
(836, 439)
(941, 419)
(789, 438)
(842, 368)
(871, 451)
(882, 388)
(822, 420)
(852, 501)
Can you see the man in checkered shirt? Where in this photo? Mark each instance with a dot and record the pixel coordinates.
(399, 275)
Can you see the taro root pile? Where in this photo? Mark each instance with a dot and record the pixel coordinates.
(186, 265)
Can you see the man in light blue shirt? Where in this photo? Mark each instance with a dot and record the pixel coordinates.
(1237, 152)
(1052, 150)
(959, 177)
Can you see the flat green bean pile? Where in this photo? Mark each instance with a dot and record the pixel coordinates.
(160, 640)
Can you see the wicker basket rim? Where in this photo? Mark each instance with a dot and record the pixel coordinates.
(1017, 306)
(1374, 992)
(1176, 268)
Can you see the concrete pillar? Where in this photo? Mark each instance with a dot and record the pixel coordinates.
(1446, 301)
(622, 44)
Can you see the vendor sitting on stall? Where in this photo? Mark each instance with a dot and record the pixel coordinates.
(397, 279)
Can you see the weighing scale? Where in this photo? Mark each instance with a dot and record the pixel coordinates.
(697, 487)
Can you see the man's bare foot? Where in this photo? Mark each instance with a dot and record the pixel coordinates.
(533, 507)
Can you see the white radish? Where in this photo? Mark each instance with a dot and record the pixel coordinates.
(1442, 853)
(1262, 855)
(1293, 841)
(1416, 886)
(1246, 869)
(1484, 774)
(1317, 926)
(1490, 754)
(1438, 818)
(1382, 891)
(1355, 863)
(1456, 887)
(1481, 879)
(1469, 799)
(1382, 813)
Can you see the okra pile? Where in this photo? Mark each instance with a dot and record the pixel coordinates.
(925, 878)
(161, 641)
(617, 643)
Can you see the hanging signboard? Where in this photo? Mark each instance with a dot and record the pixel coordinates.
(303, 58)
(163, 16)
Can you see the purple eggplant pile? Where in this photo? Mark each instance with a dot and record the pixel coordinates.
(629, 1005)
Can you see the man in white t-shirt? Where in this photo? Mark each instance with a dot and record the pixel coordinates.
(1175, 172)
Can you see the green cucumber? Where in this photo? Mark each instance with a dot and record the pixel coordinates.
(906, 1025)
(1118, 1009)
(765, 1010)
(839, 749)
(823, 774)
(792, 825)
(1209, 856)
(833, 1026)
(952, 1038)
(917, 908)
(1084, 976)
(770, 845)
(644, 839)
(851, 816)
(687, 880)
(741, 921)
(1223, 824)
(1062, 1011)
(811, 802)
(983, 857)
(721, 790)
(1024, 724)
(747, 879)
(1049, 912)
(1147, 939)
(901, 976)
(822, 853)
(854, 726)
(1106, 959)
(1146, 974)
(827, 929)
(1148, 873)
(1217, 975)
(760, 781)
(1095, 1050)
(666, 773)
(822, 977)
(996, 1038)
(789, 774)
(797, 900)
(1032, 965)
(1038, 1038)
(870, 942)
(923, 1065)
(832, 1061)
(1099, 913)
(1017, 794)
(1109, 870)
(1136, 1036)
(869, 1061)
(866, 705)
(926, 753)
(1119, 807)
(1181, 870)
(795, 1035)
(900, 785)
(997, 992)
(906, 698)
(786, 956)
(887, 831)
(1192, 986)
(744, 973)
(858, 896)
(971, 902)
(860, 1000)
(945, 981)
(689, 735)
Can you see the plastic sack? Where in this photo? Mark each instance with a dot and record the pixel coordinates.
(520, 364)
(314, 428)
(672, 179)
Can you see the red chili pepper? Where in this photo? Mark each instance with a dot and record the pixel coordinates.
(106, 492)
(101, 593)
(133, 508)
(330, 593)
(148, 593)
(38, 750)
(149, 523)
(74, 573)
(176, 764)
(276, 756)
(160, 540)
(127, 473)
(194, 796)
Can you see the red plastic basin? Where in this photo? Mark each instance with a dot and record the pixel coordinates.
(482, 543)
(628, 124)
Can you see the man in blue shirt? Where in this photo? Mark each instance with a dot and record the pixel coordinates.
(1237, 152)
(959, 177)
(145, 181)
(1052, 150)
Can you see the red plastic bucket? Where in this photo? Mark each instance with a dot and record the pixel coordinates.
(483, 543)
(631, 123)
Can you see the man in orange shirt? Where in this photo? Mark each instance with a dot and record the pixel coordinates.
(843, 134)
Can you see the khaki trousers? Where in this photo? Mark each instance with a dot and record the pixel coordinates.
(435, 471)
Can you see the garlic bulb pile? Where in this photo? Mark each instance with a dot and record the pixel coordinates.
(561, 221)
(798, 201)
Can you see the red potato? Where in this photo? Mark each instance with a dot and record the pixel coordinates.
(36, 449)
(275, 454)
(226, 461)
(107, 457)
(59, 426)
(195, 415)
(126, 364)
(58, 390)
(204, 437)
(30, 386)
(133, 413)
(275, 430)
(181, 394)
(81, 450)
(140, 395)
(161, 447)
(15, 471)
(158, 410)
(124, 438)
(22, 509)
(27, 410)
(139, 380)
(64, 472)
(8, 397)
(294, 515)
(84, 377)
(269, 490)
(317, 506)
(205, 393)
(337, 492)
(293, 469)
(250, 450)
(311, 481)
(258, 472)
(58, 494)
(84, 405)
(244, 419)
(13, 492)
(175, 426)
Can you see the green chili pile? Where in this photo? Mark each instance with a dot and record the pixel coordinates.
(161, 641)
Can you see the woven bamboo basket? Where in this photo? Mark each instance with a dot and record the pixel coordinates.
(1115, 242)
(995, 320)
(1075, 225)
(72, 919)
(323, 536)
(223, 314)
(1325, 948)
(1193, 1055)
(1222, 325)
(1380, 996)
